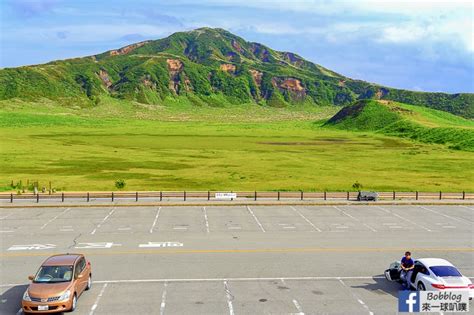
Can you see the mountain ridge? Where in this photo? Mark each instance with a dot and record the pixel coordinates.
(209, 66)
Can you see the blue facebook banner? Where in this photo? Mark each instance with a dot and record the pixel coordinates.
(408, 301)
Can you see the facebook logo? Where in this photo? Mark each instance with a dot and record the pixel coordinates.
(408, 301)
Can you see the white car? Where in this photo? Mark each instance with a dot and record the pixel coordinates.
(433, 274)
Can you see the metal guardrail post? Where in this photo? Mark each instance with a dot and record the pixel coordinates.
(324, 195)
(302, 195)
(463, 195)
(417, 195)
(278, 195)
(161, 195)
(184, 195)
(88, 198)
(394, 195)
(136, 196)
(255, 196)
(347, 195)
(208, 195)
(11, 198)
(37, 198)
(62, 197)
(112, 196)
(440, 195)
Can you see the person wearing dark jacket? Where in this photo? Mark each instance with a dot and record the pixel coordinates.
(407, 265)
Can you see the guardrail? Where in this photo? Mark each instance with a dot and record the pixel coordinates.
(246, 195)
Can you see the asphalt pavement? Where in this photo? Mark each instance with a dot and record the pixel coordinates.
(279, 259)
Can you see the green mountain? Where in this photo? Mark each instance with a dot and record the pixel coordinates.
(407, 121)
(205, 66)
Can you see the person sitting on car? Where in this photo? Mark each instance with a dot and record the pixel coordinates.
(407, 265)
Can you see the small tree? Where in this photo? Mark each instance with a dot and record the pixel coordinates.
(120, 183)
(357, 185)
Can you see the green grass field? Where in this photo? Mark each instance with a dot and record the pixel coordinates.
(241, 148)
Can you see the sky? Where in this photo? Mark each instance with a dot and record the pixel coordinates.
(411, 44)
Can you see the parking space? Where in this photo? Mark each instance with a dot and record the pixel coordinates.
(29, 220)
(221, 296)
(231, 219)
(214, 219)
(261, 297)
(463, 212)
(281, 218)
(180, 219)
(430, 219)
(76, 220)
(380, 218)
(332, 219)
(128, 220)
(112, 298)
(195, 298)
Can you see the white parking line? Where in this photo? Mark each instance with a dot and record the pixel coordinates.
(44, 225)
(229, 297)
(163, 299)
(404, 219)
(446, 216)
(355, 219)
(469, 208)
(356, 297)
(103, 220)
(6, 216)
(306, 219)
(205, 219)
(234, 227)
(93, 308)
(180, 228)
(298, 307)
(256, 219)
(233, 279)
(156, 219)
(295, 302)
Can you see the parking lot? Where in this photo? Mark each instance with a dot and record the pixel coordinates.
(233, 260)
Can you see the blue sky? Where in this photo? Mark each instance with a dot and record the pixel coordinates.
(412, 44)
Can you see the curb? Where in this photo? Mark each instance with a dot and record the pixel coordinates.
(230, 204)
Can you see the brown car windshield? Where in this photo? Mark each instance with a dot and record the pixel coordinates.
(53, 274)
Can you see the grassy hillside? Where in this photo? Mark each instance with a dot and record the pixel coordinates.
(205, 66)
(407, 121)
(267, 149)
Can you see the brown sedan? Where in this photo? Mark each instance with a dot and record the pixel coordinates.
(59, 282)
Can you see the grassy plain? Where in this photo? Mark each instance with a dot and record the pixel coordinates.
(200, 148)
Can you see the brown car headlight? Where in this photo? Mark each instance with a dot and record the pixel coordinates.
(65, 296)
(26, 296)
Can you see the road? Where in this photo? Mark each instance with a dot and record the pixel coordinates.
(233, 260)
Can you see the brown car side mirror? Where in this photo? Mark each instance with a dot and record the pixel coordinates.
(31, 278)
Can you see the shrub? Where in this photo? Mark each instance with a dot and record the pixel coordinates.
(120, 183)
